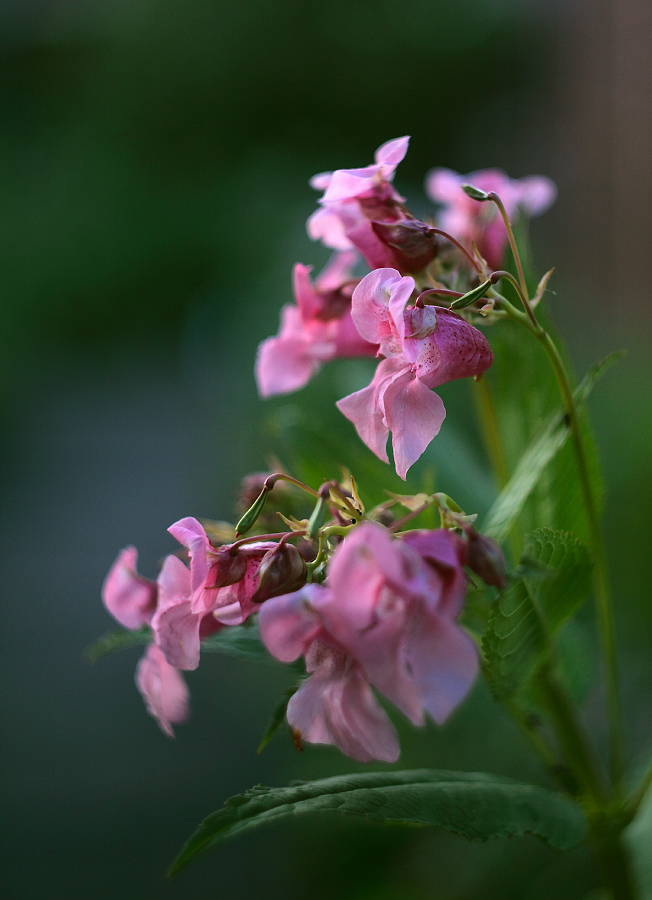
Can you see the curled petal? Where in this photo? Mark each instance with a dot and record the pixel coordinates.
(336, 706)
(130, 598)
(163, 689)
(191, 534)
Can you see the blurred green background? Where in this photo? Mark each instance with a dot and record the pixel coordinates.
(154, 157)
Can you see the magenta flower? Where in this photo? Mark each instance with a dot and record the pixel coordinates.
(336, 704)
(130, 598)
(195, 602)
(318, 329)
(423, 348)
(479, 222)
(353, 199)
(163, 689)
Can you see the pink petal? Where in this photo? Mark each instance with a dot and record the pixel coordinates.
(445, 555)
(288, 624)
(443, 660)
(337, 271)
(391, 153)
(346, 184)
(363, 237)
(175, 625)
(321, 181)
(455, 350)
(444, 186)
(336, 706)
(348, 340)
(163, 689)
(414, 415)
(537, 194)
(304, 293)
(326, 225)
(370, 305)
(284, 365)
(130, 598)
(191, 534)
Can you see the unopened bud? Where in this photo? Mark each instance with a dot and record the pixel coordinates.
(423, 320)
(414, 244)
(471, 297)
(282, 571)
(485, 558)
(250, 518)
(475, 193)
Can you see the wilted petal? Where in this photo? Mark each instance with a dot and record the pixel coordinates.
(163, 689)
(130, 598)
(443, 660)
(337, 706)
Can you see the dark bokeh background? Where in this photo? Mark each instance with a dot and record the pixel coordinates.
(154, 157)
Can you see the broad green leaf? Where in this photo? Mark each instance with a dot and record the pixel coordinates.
(241, 642)
(476, 805)
(558, 500)
(117, 639)
(527, 615)
(278, 718)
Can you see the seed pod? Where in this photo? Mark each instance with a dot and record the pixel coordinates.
(413, 243)
(282, 571)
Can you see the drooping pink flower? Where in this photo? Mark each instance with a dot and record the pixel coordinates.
(163, 689)
(128, 596)
(336, 704)
(423, 348)
(318, 329)
(480, 222)
(216, 590)
(394, 608)
(355, 198)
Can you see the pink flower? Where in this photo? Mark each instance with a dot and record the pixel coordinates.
(423, 348)
(480, 222)
(336, 704)
(193, 603)
(130, 598)
(387, 618)
(353, 199)
(395, 605)
(163, 689)
(318, 329)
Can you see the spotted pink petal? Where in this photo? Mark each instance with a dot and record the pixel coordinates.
(130, 598)
(163, 689)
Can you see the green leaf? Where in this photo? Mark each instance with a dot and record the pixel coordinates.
(638, 838)
(117, 639)
(474, 804)
(559, 502)
(525, 617)
(241, 642)
(278, 718)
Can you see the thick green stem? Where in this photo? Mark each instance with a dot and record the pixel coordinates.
(600, 571)
(615, 868)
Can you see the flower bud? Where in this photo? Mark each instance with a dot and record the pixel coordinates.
(471, 296)
(475, 193)
(227, 567)
(485, 558)
(283, 570)
(413, 243)
(250, 518)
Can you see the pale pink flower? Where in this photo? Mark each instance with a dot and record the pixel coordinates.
(130, 598)
(318, 329)
(336, 704)
(163, 689)
(353, 198)
(423, 348)
(480, 222)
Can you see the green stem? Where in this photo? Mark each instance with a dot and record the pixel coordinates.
(615, 868)
(600, 571)
(512, 243)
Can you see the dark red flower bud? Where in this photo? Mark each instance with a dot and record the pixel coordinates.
(413, 243)
(282, 571)
(334, 304)
(227, 567)
(485, 558)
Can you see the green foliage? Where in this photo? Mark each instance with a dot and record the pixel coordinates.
(241, 642)
(476, 805)
(525, 618)
(117, 639)
(278, 718)
(549, 494)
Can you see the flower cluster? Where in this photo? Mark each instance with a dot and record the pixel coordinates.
(362, 217)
